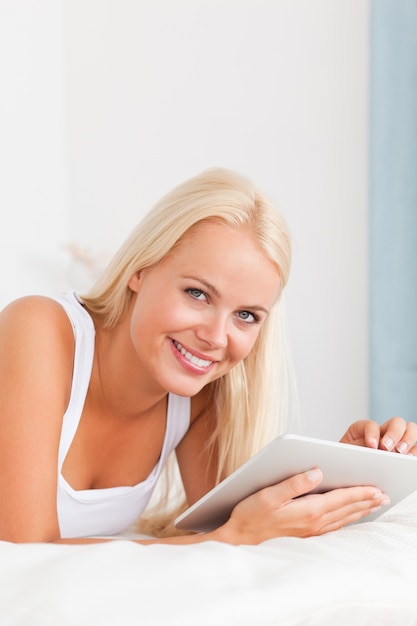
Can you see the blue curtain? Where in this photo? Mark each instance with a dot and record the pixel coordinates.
(393, 209)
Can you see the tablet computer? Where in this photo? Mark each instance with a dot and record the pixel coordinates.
(343, 465)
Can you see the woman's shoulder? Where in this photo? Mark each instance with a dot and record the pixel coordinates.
(36, 367)
(35, 323)
(31, 302)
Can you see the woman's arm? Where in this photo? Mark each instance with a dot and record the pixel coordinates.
(279, 510)
(36, 355)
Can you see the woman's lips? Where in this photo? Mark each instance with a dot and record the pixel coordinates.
(191, 358)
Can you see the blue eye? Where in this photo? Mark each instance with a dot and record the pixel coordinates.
(248, 317)
(197, 294)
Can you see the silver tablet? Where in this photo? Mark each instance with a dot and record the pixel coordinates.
(342, 465)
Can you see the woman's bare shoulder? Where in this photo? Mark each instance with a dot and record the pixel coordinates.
(34, 313)
(31, 304)
(36, 329)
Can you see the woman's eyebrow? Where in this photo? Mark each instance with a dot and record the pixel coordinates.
(204, 282)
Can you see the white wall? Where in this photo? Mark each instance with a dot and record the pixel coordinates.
(140, 95)
(33, 156)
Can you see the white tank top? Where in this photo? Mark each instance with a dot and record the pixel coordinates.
(98, 512)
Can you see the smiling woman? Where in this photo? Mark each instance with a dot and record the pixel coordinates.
(180, 346)
(209, 235)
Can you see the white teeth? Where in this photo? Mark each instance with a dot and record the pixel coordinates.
(190, 357)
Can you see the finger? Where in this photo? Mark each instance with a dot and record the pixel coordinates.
(352, 504)
(371, 433)
(293, 487)
(300, 484)
(362, 433)
(392, 433)
(338, 499)
(408, 440)
(351, 518)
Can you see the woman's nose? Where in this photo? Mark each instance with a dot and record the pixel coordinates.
(213, 331)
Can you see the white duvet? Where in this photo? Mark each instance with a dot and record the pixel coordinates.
(363, 574)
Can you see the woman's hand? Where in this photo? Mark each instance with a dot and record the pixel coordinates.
(396, 435)
(278, 511)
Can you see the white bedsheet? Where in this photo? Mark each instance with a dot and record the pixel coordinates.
(363, 574)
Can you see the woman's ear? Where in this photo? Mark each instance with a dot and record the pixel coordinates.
(134, 282)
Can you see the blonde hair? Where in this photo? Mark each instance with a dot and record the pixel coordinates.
(252, 402)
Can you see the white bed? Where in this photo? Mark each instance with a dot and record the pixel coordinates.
(363, 574)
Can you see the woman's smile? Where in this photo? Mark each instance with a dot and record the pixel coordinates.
(189, 358)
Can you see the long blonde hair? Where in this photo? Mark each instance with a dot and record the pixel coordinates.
(253, 401)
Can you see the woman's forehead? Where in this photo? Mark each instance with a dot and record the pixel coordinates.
(225, 256)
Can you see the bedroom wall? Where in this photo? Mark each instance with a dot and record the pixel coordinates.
(109, 104)
(34, 190)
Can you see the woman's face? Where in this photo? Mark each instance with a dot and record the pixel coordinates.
(197, 312)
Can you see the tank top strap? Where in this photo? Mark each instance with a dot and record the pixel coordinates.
(84, 334)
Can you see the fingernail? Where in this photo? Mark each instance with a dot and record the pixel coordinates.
(373, 442)
(402, 448)
(385, 501)
(377, 494)
(388, 443)
(314, 475)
